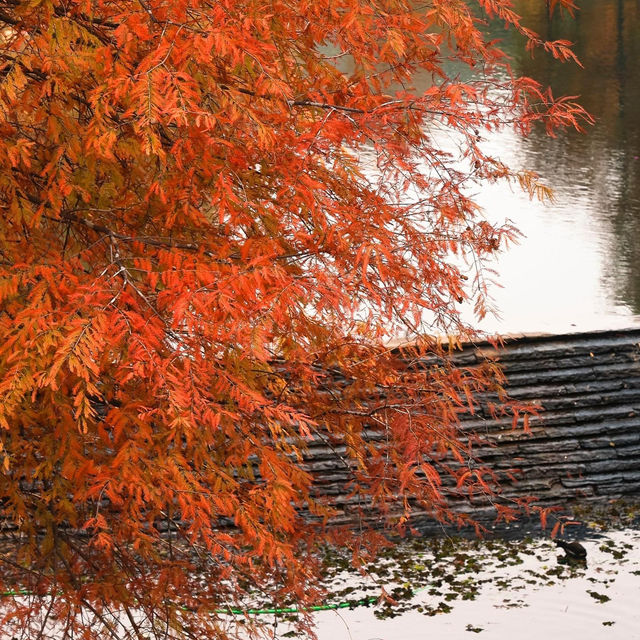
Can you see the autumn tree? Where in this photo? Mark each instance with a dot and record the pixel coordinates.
(215, 217)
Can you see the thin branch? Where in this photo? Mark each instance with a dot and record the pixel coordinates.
(151, 240)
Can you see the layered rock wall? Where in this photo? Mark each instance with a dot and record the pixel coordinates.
(583, 447)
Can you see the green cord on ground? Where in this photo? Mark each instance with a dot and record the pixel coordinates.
(237, 612)
(319, 607)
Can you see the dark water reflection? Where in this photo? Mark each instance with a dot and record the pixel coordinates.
(577, 266)
(582, 254)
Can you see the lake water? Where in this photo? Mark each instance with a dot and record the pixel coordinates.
(501, 591)
(449, 589)
(578, 265)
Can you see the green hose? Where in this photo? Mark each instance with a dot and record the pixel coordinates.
(319, 607)
(234, 611)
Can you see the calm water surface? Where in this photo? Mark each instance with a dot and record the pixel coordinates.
(578, 264)
(526, 597)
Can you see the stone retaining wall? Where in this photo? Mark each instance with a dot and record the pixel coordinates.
(584, 446)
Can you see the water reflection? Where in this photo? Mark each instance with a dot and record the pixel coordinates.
(578, 264)
(582, 255)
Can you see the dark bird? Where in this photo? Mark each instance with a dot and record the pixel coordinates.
(574, 550)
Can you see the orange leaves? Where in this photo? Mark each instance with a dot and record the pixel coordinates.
(561, 50)
(395, 45)
(568, 5)
(19, 153)
(213, 217)
(138, 26)
(457, 93)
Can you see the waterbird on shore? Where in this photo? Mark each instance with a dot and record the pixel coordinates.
(574, 550)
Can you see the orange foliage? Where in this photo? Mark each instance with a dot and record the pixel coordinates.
(213, 216)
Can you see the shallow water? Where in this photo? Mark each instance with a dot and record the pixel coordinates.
(527, 595)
